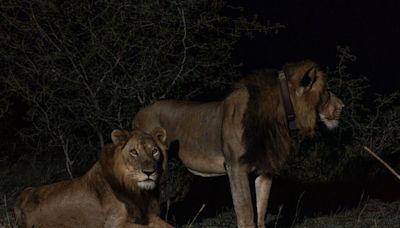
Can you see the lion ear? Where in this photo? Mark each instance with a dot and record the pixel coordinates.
(307, 80)
(119, 136)
(160, 137)
(159, 134)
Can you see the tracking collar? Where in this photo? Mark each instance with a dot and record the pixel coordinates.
(287, 103)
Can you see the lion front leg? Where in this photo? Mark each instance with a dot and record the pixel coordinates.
(240, 188)
(263, 187)
(233, 149)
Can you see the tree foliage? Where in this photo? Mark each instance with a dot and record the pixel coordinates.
(82, 68)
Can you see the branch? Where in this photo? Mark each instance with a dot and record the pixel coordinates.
(68, 161)
(184, 54)
(43, 32)
(383, 162)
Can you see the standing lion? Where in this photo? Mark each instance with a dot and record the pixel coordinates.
(248, 131)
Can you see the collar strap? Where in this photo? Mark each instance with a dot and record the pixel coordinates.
(287, 103)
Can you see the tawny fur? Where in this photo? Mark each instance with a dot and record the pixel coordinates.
(246, 132)
(108, 195)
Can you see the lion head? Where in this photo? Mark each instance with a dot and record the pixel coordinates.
(266, 134)
(138, 158)
(311, 97)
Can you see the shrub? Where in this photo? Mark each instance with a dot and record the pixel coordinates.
(82, 68)
(75, 70)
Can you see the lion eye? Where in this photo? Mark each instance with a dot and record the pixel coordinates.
(133, 152)
(155, 152)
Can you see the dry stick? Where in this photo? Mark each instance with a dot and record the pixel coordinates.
(68, 161)
(168, 206)
(183, 62)
(6, 208)
(361, 211)
(383, 162)
(279, 215)
(195, 217)
(298, 207)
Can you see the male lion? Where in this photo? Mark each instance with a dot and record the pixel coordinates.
(248, 131)
(120, 190)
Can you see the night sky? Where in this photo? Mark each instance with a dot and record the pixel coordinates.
(371, 29)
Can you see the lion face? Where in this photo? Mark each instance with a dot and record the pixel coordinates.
(312, 98)
(139, 156)
(330, 110)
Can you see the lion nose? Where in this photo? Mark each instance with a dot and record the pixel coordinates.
(149, 172)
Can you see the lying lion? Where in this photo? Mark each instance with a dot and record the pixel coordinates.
(120, 190)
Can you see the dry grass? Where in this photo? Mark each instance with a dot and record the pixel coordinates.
(373, 213)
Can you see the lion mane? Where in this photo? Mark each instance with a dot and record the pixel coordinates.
(120, 190)
(266, 134)
(265, 131)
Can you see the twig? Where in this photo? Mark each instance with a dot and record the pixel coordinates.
(278, 216)
(298, 206)
(195, 217)
(44, 32)
(6, 209)
(359, 214)
(167, 212)
(179, 75)
(183, 43)
(383, 162)
(361, 199)
(68, 161)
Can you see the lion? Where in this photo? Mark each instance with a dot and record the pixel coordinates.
(248, 131)
(120, 190)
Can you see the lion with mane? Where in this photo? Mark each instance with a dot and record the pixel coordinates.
(248, 131)
(120, 190)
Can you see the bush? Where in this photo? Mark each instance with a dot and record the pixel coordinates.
(83, 68)
(75, 70)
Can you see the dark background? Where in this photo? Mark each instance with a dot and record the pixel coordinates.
(371, 29)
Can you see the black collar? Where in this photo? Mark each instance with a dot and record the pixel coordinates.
(287, 103)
